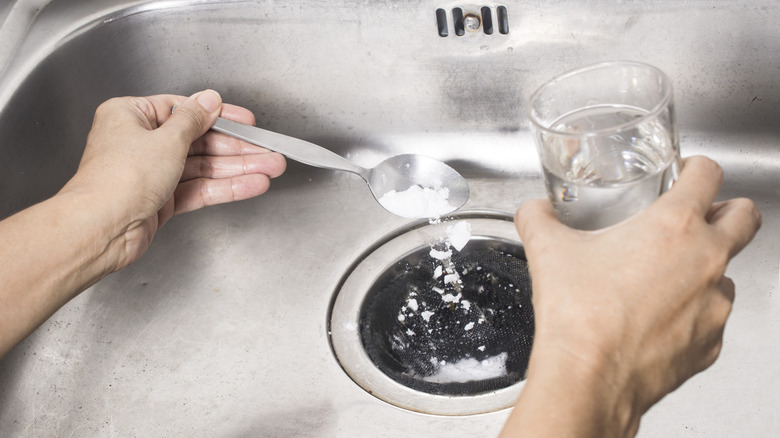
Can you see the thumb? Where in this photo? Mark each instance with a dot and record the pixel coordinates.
(196, 115)
(537, 218)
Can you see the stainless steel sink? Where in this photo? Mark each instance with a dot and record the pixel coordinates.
(222, 328)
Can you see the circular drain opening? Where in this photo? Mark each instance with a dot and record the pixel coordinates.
(419, 342)
(456, 338)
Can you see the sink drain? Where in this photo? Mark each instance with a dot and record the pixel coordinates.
(453, 338)
(412, 336)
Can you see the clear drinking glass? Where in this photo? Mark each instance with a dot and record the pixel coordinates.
(607, 140)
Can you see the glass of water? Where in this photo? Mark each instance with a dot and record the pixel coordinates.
(607, 140)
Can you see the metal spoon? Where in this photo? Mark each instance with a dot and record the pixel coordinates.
(398, 173)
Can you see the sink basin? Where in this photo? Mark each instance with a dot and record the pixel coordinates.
(222, 328)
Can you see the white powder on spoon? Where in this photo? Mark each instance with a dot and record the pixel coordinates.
(418, 202)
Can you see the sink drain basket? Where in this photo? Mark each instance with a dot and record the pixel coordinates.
(415, 338)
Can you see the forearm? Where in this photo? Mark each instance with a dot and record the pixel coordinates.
(54, 250)
(566, 397)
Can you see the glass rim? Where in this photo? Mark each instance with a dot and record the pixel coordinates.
(657, 109)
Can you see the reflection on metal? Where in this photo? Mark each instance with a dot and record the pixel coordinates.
(221, 329)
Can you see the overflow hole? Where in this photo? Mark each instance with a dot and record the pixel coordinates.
(503, 20)
(457, 17)
(487, 20)
(441, 21)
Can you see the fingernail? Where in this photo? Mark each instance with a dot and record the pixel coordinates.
(210, 100)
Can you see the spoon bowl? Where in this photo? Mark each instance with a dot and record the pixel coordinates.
(417, 186)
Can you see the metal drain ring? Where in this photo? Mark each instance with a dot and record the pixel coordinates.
(345, 324)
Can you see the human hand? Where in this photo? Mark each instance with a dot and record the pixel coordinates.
(144, 164)
(636, 309)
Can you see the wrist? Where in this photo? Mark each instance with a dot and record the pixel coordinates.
(101, 220)
(594, 384)
(568, 393)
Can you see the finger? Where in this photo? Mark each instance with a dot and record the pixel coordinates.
(712, 324)
(126, 112)
(165, 213)
(156, 109)
(194, 116)
(217, 143)
(536, 217)
(727, 290)
(698, 184)
(162, 105)
(237, 114)
(269, 163)
(711, 352)
(737, 221)
(197, 193)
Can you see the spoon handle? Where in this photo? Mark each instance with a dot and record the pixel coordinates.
(291, 147)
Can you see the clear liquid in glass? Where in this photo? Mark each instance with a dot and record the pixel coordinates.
(600, 180)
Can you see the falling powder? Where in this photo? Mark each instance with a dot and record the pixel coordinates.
(449, 298)
(440, 255)
(451, 278)
(459, 235)
(419, 202)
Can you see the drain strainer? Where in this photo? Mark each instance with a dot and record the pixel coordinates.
(411, 336)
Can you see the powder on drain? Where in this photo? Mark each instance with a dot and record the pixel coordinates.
(466, 370)
(450, 334)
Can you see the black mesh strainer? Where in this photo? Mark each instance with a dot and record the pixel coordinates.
(462, 338)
